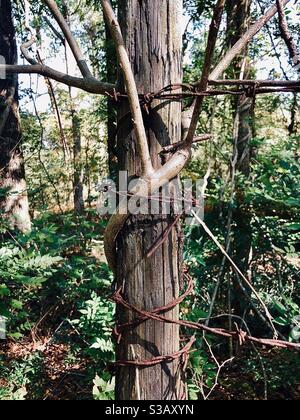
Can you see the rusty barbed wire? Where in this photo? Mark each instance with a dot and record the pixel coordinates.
(251, 89)
(248, 88)
(156, 315)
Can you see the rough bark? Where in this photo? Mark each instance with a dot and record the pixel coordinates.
(153, 38)
(14, 204)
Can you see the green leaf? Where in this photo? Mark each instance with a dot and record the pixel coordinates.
(16, 304)
(4, 290)
(282, 321)
(280, 308)
(292, 226)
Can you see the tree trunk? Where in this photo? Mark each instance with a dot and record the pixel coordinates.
(153, 38)
(14, 204)
(111, 76)
(239, 13)
(78, 167)
(294, 113)
(78, 175)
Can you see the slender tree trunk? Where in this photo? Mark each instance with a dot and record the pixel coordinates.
(294, 112)
(78, 167)
(111, 73)
(58, 118)
(12, 173)
(78, 175)
(153, 37)
(239, 13)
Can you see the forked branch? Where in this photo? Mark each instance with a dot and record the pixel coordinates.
(87, 83)
(133, 97)
(229, 57)
(244, 41)
(79, 57)
(203, 85)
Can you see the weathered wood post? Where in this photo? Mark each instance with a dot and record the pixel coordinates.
(153, 37)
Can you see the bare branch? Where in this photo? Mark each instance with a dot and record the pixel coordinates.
(54, 30)
(91, 85)
(112, 22)
(79, 57)
(245, 39)
(287, 36)
(211, 44)
(88, 83)
(173, 147)
(26, 54)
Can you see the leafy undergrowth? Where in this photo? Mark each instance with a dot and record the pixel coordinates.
(55, 288)
(37, 370)
(47, 370)
(269, 378)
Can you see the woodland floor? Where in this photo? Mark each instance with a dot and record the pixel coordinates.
(60, 378)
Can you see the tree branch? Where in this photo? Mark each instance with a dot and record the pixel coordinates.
(175, 146)
(91, 85)
(79, 57)
(24, 50)
(245, 39)
(178, 161)
(287, 36)
(88, 83)
(133, 97)
(202, 86)
(54, 30)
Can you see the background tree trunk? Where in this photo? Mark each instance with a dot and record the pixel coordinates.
(12, 174)
(293, 126)
(111, 76)
(78, 175)
(152, 32)
(78, 167)
(239, 14)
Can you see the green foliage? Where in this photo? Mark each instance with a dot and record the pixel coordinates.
(288, 315)
(22, 377)
(281, 371)
(53, 267)
(103, 390)
(277, 175)
(22, 273)
(95, 327)
(204, 374)
(54, 283)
